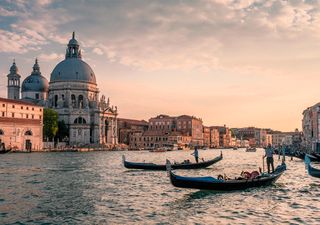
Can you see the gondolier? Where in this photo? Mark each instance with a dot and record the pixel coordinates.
(269, 155)
(196, 154)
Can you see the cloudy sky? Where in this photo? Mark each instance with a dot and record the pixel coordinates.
(234, 62)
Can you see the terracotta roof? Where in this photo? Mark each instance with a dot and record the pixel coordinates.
(15, 101)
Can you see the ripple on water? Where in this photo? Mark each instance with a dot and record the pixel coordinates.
(94, 188)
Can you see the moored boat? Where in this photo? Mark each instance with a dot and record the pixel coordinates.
(251, 149)
(5, 151)
(211, 183)
(185, 165)
(311, 170)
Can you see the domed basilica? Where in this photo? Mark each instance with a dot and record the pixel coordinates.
(73, 93)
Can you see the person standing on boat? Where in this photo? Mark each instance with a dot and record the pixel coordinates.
(196, 154)
(269, 155)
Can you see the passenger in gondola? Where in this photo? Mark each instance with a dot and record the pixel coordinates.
(196, 154)
(269, 155)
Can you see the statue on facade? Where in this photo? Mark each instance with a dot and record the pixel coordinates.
(102, 104)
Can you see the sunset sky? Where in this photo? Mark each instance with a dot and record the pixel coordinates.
(233, 62)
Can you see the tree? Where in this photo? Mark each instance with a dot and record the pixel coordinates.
(63, 130)
(50, 123)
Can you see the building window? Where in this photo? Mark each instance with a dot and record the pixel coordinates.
(55, 100)
(40, 110)
(40, 117)
(27, 116)
(32, 116)
(21, 107)
(27, 108)
(3, 114)
(1, 132)
(32, 109)
(13, 106)
(28, 133)
(12, 114)
(3, 105)
(37, 96)
(80, 120)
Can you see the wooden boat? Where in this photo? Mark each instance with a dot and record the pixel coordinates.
(211, 183)
(158, 150)
(5, 151)
(251, 149)
(311, 170)
(185, 166)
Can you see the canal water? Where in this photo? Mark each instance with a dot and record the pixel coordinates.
(94, 188)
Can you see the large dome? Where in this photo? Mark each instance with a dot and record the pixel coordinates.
(73, 69)
(35, 82)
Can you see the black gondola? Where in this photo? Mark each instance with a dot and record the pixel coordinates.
(183, 166)
(311, 170)
(5, 151)
(211, 183)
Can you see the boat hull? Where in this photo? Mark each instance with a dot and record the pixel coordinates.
(151, 166)
(220, 185)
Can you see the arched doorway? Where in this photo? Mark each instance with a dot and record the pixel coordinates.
(28, 143)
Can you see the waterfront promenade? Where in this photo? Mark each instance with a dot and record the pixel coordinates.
(95, 188)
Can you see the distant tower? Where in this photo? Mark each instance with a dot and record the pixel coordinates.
(13, 82)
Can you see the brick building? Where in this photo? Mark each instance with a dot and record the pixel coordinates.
(21, 125)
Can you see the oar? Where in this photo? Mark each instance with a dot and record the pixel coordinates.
(263, 164)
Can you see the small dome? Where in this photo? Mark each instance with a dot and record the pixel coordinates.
(35, 82)
(73, 69)
(73, 41)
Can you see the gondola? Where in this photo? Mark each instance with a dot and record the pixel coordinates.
(311, 170)
(5, 151)
(185, 166)
(211, 183)
(251, 149)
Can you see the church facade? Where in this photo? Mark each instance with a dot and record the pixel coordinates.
(72, 92)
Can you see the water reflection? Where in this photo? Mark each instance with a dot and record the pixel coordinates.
(94, 188)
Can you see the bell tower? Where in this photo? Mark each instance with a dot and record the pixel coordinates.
(13, 82)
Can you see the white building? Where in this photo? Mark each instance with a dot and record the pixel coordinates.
(72, 92)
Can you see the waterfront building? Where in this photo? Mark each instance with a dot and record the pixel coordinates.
(224, 136)
(311, 128)
(167, 131)
(72, 92)
(206, 137)
(126, 127)
(214, 138)
(268, 139)
(191, 126)
(21, 124)
(257, 137)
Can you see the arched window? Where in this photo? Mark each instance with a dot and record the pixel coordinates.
(80, 120)
(1, 132)
(28, 132)
(55, 100)
(80, 101)
(73, 100)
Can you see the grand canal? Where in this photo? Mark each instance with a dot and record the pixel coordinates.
(94, 188)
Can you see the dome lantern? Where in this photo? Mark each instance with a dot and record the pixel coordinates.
(73, 50)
